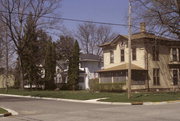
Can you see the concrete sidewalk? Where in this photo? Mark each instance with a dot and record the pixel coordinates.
(95, 101)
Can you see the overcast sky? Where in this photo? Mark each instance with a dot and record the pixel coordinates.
(110, 11)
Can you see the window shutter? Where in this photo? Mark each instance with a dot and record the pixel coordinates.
(179, 76)
(179, 54)
(171, 56)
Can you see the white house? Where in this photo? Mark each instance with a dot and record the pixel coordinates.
(89, 64)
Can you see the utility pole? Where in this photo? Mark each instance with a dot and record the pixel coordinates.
(129, 50)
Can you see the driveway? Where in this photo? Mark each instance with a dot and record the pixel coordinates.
(46, 110)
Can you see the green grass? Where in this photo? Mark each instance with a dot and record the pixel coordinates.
(2, 111)
(111, 97)
(79, 95)
(145, 97)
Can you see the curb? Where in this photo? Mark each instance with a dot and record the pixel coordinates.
(5, 114)
(94, 101)
(69, 100)
(11, 111)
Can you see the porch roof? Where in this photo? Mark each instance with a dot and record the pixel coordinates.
(122, 67)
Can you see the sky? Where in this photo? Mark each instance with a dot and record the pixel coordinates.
(108, 11)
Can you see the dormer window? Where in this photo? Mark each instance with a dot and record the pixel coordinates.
(111, 56)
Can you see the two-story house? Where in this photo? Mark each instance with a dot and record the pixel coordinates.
(88, 66)
(155, 61)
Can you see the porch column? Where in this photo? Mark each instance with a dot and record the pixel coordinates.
(126, 79)
(99, 77)
(112, 78)
(147, 81)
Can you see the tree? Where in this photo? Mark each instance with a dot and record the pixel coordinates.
(14, 14)
(30, 53)
(161, 16)
(50, 65)
(90, 36)
(73, 71)
(64, 47)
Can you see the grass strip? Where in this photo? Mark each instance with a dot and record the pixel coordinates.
(3, 111)
(111, 97)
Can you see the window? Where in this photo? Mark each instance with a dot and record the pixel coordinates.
(175, 54)
(122, 55)
(111, 57)
(82, 64)
(81, 79)
(133, 53)
(179, 54)
(156, 80)
(175, 77)
(155, 50)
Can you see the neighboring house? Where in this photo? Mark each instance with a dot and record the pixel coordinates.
(88, 66)
(155, 61)
(10, 80)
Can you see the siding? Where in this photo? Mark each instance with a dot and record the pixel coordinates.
(144, 60)
(162, 64)
(140, 54)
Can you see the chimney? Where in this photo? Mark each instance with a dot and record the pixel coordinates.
(142, 27)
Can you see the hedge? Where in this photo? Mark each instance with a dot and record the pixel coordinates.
(108, 87)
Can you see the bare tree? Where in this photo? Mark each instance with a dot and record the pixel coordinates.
(14, 14)
(91, 35)
(161, 16)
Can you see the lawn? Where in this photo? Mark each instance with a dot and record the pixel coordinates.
(2, 111)
(111, 97)
(145, 97)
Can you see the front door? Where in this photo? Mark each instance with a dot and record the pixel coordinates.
(175, 77)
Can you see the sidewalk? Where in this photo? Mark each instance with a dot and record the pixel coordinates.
(95, 101)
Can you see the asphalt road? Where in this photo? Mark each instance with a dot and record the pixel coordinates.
(45, 110)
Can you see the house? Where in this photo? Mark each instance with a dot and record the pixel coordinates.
(6, 81)
(155, 61)
(88, 66)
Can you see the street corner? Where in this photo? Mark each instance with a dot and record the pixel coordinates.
(5, 114)
(10, 112)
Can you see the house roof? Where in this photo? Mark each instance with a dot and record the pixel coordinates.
(121, 67)
(136, 36)
(89, 57)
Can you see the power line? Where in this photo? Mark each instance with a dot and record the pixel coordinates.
(71, 19)
(87, 21)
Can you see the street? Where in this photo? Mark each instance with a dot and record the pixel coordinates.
(46, 110)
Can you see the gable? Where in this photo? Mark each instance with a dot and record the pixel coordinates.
(120, 39)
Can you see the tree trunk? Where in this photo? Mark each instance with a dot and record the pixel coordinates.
(21, 73)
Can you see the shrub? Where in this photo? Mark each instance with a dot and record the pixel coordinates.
(107, 87)
(111, 87)
(94, 84)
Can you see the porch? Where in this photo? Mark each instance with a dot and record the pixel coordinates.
(119, 74)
